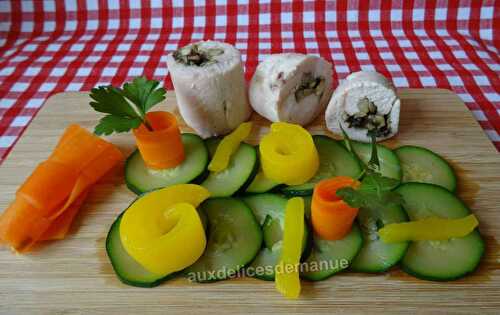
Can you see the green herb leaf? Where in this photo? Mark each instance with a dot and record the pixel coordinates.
(374, 163)
(144, 93)
(109, 100)
(126, 107)
(378, 183)
(348, 145)
(352, 197)
(347, 140)
(375, 193)
(109, 124)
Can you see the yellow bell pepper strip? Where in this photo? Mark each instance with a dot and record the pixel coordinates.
(228, 146)
(288, 154)
(287, 270)
(162, 230)
(428, 229)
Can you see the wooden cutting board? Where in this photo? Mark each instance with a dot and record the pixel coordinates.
(74, 275)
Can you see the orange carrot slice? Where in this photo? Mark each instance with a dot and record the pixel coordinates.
(79, 148)
(161, 148)
(49, 200)
(90, 175)
(70, 131)
(61, 225)
(48, 186)
(331, 217)
(20, 224)
(102, 163)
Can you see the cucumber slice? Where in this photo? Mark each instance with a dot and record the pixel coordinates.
(334, 160)
(439, 260)
(212, 144)
(269, 210)
(204, 220)
(126, 268)
(262, 267)
(307, 207)
(234, 239)
(424, 166)
(329, 257)
(140, 179)
(261, 184)
(242, 168)
(375, 255)
(389, 162)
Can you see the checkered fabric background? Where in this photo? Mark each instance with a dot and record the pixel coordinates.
(48, 47)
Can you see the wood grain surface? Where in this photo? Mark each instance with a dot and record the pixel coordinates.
(74, 276)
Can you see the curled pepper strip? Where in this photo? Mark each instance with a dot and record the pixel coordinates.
(228, 146)
(428, 229)
(287, 269)
(162, 230)
(288, 154)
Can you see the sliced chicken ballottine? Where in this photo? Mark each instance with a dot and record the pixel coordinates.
(291, 87)
(210, 87)
(364, 103)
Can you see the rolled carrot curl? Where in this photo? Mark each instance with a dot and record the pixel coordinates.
(331, 217)
(161, 148)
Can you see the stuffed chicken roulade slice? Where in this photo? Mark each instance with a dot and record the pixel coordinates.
(364, 102)
(291, 87)
(210, 87)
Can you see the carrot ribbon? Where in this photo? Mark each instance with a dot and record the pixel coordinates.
(48, 201)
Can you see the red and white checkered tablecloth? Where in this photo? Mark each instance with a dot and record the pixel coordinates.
(53, 46)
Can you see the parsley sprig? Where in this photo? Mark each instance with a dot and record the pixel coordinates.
(125, 107)
(376, 191)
